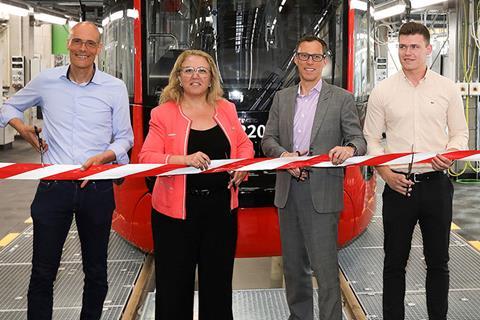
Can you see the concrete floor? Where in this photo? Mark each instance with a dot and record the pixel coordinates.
(16, 196)
(466, 210)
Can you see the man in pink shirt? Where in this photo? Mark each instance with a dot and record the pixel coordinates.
(417, 109)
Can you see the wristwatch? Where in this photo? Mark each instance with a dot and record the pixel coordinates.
(352, 146)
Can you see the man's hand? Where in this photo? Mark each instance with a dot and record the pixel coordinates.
(104, 157)
(339, 154)
(198, 160)
(296, 171)
(440, 163)
(28, 133)
(396, 181)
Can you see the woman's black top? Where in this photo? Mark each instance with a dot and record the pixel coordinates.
(213, 143)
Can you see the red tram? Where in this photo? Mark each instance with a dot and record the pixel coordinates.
(253, 43)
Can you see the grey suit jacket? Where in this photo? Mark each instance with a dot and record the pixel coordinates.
(336, 123)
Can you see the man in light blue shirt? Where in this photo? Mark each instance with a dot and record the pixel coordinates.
(86, 121)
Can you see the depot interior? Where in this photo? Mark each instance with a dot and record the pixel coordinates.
(33, 37)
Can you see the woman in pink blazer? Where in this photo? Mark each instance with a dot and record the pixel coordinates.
(194, 218)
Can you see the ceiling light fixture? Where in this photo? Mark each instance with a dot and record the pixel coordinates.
(50, 18)
(417, 4)
(358, 4)
(105, 21)
(14, 10)
(132, 13)
(116, 15)
(389, 9)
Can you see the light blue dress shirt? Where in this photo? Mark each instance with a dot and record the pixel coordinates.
(80, 121)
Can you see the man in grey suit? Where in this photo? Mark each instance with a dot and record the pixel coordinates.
(311, 118)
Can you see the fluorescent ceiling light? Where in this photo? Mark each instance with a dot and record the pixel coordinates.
(105, 21)
(132, 13)
(417, 4)
(116, 15)
(119, 15)
(50, 19)
(16, 11)
(358, 4)
(389, 9)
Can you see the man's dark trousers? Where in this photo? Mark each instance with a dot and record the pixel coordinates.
(430, 204)
(55, 204)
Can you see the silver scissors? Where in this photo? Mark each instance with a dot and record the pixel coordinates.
(40, 144)
(231, 174)
(410, 164)
(409, 171)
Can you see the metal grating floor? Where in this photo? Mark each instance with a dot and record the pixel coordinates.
(124, 264)
(362, 264)
(254, 304)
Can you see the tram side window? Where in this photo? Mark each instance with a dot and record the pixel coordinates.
(167, 25)
(118, 54)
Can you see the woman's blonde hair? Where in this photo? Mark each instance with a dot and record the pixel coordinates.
(174, 91)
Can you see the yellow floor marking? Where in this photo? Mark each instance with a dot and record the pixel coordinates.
(475, 244)
(29, 220)
(454, 227)
(8, 238)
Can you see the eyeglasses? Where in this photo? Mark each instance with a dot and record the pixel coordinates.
(78, 43)
(317, 57)
(189, 71)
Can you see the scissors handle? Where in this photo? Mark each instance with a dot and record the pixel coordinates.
(231, 173)
(410, 164)
(40, 144)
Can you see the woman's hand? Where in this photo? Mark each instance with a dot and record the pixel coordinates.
(236, 178)
(198, 160)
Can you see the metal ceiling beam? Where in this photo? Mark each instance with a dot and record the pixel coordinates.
(93, 8)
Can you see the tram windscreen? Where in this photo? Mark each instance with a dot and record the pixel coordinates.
(252, 41)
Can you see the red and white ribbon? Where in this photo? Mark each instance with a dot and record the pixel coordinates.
(30, 171)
